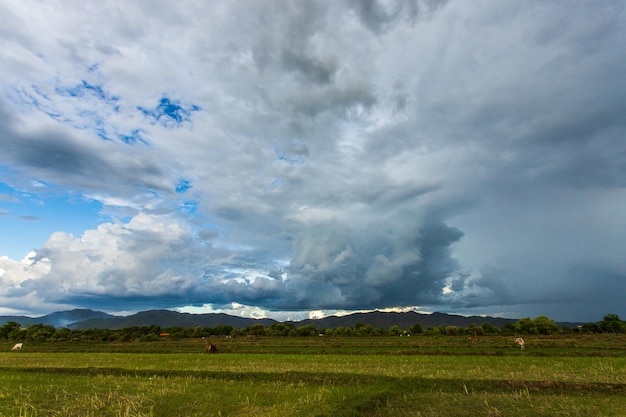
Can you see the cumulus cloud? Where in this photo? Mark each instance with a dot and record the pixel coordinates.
(315, 155)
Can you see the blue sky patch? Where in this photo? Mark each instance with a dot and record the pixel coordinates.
(97, 91)
(31, 219)
(85, 88)
(183, 185)
(188, 207)
(167, 111)
(133, 137)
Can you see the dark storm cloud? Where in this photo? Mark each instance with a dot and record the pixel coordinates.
(380, 17)
(312, 68)
(337, 100)
(385, 264)
(61, 156)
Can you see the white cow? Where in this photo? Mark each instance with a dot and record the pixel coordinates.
(520, 342)
(17, 346)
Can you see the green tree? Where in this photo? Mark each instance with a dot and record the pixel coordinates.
(8, 329)
(508, 329)
(281, 329)
(545, 325)
(452, 330)
(489, 328)
(474, 330)
(62, 334)
(611, 323)
(343, 331)
(39, 332)
(395, 330)
(363, 330)
(309, 330)
(587, 328)
(222, 330)
(236, 333)
(526, 326)
(433, 331)
(104, 335)
(415, 329)
(198, 331)
(256, 330)
(150, 337)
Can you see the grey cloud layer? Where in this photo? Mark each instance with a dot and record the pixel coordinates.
(369, 154)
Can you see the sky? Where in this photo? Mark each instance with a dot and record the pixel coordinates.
(290, 159)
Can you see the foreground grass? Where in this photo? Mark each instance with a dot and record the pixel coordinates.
(304, 384)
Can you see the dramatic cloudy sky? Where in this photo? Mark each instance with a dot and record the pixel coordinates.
(287, 158)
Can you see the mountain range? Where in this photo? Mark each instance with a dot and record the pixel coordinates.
(58, 319)
(86, 319)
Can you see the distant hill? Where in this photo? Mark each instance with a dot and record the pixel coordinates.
(384, 320)
(379, 319)
(168, 318)
(87, 319)
(57, 319)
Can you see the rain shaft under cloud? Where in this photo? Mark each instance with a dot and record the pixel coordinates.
(459, 156)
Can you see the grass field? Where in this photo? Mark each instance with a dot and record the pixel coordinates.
(385, 376)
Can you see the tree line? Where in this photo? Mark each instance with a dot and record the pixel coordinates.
(541, 325)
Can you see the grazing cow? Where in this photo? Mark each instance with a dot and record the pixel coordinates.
(210, 348)
(17, 346)
(520, 342)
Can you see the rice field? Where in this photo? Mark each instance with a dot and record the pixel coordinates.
(559, 376)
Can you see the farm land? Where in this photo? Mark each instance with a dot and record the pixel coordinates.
(557, 375)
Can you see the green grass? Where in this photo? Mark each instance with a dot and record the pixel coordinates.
(583, 345)
(312, 377)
